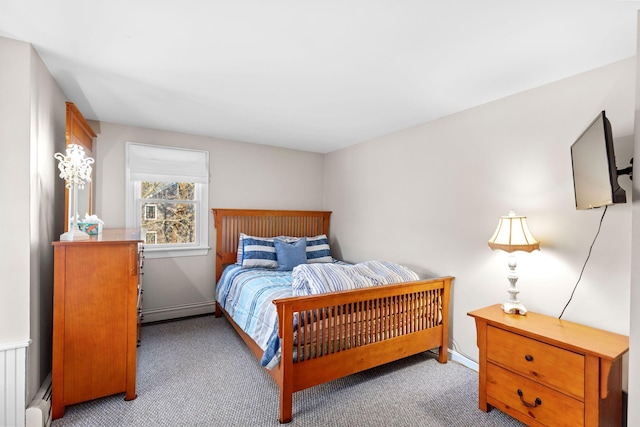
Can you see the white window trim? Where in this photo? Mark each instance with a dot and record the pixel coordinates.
(201, 247)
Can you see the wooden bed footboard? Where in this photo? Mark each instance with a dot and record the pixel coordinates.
(329, 336)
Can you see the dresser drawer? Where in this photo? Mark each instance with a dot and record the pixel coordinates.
(560, 369)
(509, 392)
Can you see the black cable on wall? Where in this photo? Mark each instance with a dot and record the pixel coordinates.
(585, 262)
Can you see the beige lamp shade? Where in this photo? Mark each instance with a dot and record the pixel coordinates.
(513, 235)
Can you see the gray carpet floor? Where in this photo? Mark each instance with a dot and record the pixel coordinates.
(198, 372)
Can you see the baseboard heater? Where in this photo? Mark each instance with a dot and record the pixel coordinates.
(39, 410)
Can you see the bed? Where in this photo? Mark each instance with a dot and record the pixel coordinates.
(328, 336)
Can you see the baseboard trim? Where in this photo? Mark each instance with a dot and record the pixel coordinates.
(463, 360)
(177, 311)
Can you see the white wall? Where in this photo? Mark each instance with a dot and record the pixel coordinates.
(430, 196)
(32, 120)
(15, 160)
(634, 339)
(47, 136)
(242, 176)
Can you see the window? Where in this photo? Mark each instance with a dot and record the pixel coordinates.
(150, 211)
(150, 238)
(167, 197)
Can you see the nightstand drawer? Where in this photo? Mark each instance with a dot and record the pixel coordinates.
(510, 392)
(543, 363)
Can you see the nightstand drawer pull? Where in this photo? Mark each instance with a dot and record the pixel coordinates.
(537, 402)
(529, 358)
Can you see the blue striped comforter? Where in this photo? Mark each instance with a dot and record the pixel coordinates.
(312, 279)
(247, 294)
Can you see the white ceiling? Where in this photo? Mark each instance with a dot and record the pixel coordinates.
(310, 75)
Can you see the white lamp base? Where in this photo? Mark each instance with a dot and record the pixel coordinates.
(514, 308)
(513, 304)
(74, 234)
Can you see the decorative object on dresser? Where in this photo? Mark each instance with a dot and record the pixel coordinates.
(325, 336)
(511, 235)
(96, 317)
(549, 372)
(75, 169)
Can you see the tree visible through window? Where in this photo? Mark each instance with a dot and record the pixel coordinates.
(169, 211)
(167, 198)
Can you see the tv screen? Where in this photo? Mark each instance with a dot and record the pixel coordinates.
(595, 177)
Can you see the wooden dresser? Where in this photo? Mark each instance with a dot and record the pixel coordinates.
(96, 317)
(549, 372)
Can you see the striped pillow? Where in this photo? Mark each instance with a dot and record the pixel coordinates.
(241, 244)
(239, 254)
(258, 252)
(318, 249)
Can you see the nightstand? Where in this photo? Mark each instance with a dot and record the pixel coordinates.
(549, 372)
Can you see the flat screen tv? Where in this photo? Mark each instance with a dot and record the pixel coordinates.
(595, 177)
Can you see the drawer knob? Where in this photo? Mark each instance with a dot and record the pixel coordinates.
(528, 358)
(537, 402)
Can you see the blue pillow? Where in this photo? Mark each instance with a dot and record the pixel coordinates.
(290, 254)
(258, 252)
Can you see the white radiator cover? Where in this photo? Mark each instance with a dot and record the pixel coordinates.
(13, 383)
(39, 410)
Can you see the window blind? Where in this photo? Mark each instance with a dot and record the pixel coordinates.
(157, 163)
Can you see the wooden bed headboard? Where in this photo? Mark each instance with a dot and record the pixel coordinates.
(229, 223)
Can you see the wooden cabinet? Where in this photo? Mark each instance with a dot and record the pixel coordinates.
(549, 372)
(96, 297)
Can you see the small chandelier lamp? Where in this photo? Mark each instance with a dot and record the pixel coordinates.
(75, 169)
(513, 235)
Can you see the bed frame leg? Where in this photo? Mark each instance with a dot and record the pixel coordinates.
(443, 355)
(286, 407)
(218, 310)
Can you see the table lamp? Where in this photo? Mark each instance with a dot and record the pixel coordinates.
(513, 235)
